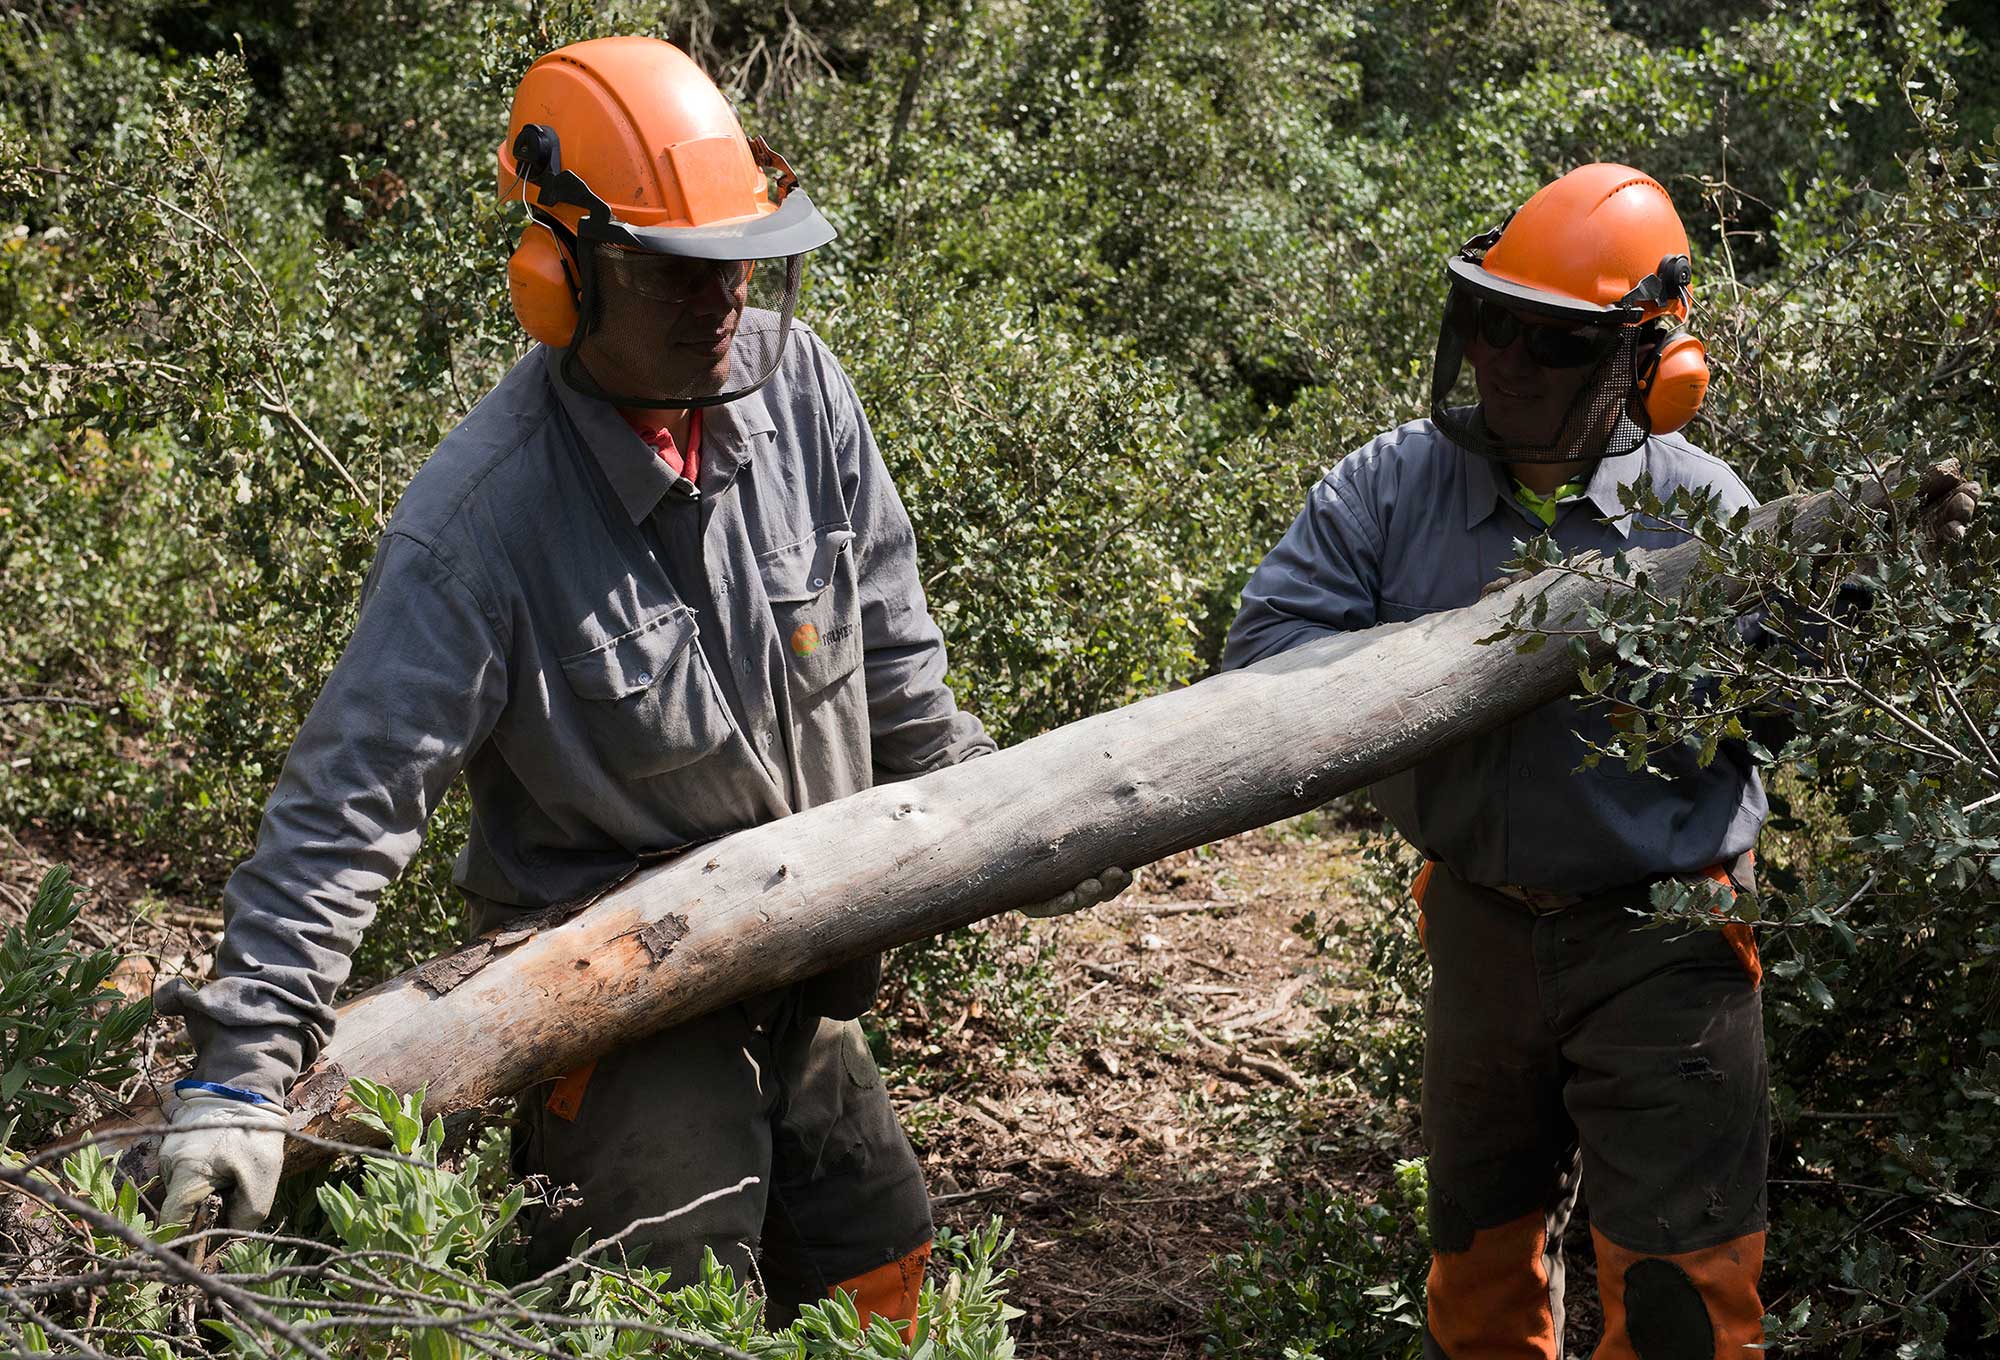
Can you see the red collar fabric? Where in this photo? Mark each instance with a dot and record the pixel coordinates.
(681, 463)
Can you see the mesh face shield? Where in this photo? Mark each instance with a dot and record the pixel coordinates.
(673, 316)
(657, 330)
(1518, 384)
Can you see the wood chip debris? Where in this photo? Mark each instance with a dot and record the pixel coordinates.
(994, 1109)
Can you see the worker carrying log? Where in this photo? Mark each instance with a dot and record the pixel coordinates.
(656, 587)
(1567, 1047)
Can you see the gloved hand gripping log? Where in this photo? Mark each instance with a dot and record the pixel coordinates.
(229, 1143)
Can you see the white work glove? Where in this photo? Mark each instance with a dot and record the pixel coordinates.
(219, 1145)
(1107, 885)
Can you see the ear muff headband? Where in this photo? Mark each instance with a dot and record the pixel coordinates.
(1673, 382)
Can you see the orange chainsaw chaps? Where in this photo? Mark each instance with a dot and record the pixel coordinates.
(566, 1099)
(1693, 1305)
(1491, 1301)
(889, 1291)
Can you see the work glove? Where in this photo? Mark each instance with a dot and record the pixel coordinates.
(1107, 885)
(1946, 502)
(219, 1144)
(1501, 582)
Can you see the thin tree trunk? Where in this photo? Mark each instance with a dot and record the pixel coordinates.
(786, 900)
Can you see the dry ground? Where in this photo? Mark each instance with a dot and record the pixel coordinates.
(1179, 1082)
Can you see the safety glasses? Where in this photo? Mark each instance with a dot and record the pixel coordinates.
(1549, 346)
(672, 279)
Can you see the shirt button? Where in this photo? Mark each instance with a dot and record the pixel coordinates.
(818, 581)
(1524, 772)
(645, 677)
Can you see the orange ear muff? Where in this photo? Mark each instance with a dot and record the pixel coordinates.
(1673, 382)
(540, 286)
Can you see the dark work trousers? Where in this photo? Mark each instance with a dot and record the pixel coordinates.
(761, 1089)
(1581, 1049)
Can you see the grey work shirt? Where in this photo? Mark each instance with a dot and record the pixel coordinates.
(1410, 524)
(619, 668)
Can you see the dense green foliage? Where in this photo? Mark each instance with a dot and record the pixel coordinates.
(60, 1029)
(1115, 281)
(414, 1258)
(1330, 1275)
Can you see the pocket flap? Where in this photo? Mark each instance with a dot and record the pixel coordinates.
(802, 570)
(631, 661)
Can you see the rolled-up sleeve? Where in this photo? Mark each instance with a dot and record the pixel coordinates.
(419, 687)
(1323, 576)
(914, 723)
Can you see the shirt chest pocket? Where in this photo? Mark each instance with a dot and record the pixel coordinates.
(647, 699)
(815, 607)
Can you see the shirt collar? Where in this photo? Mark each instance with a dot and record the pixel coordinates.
(729, 431)
(1486, 487)
(637, 475)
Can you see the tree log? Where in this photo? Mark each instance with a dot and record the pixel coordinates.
(781, 902)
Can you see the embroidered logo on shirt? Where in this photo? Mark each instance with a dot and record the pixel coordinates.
(805, 640)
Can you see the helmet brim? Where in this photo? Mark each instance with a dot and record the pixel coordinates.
(793, 229)
(1466, 274)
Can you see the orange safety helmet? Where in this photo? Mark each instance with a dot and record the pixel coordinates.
(1601, 249)
(625, 141)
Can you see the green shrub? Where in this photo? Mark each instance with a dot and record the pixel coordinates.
(1333, 1277)
(415, 1261)
(64, 1034)
(1375, 1029)
(993, 976)
(1881, 870)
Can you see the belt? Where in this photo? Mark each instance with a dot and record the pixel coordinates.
(1537, 900)
(1543, 902)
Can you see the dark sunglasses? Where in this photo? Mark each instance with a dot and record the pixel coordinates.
(671, 278)
(1549, 346)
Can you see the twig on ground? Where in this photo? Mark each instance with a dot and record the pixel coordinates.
(1249, 1062)
(1173, 908)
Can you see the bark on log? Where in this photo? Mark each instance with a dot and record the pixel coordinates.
(785, 900)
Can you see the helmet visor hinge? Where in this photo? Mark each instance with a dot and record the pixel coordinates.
(538, 160)
(1477, 247)
(1667, 284)
(770, 161)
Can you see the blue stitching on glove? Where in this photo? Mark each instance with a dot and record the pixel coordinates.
(216, 1088)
